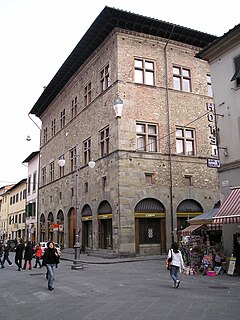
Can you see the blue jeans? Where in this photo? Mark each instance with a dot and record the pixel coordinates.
(174, 273)
(50, 270)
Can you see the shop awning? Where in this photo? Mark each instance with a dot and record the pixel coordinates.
(188, 231)
(229, 211)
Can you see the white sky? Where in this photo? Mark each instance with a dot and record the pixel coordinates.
(38, 35)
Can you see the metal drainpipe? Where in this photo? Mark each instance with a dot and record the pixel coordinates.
(169, 134)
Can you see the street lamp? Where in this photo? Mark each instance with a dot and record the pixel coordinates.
(77, 265)
(118, 106)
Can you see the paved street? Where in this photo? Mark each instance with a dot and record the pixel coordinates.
(107, 289)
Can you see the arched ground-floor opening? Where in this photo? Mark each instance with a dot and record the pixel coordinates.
(71, 227)
(150, 229)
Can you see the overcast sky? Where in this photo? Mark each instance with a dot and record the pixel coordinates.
(38, 35)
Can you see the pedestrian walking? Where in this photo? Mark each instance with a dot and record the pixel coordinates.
(6, 250)
(38, 255)
(176, 263)
(1, 254)
(19, 254)
(28, 254)
(50, 261)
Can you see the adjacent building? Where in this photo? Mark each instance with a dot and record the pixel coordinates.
(151, 160)
(223, 56)
(4, 209)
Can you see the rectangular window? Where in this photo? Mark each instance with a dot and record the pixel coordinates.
(53, 127)
(236, 75)
(17, 197)
(44, 135)
(61, 171)
(188, 181)
(44, 175)
(24, 194)
(87, 151)
(62, 119)
(104, 181)
(146, 137)
(104, 78)
(185, 141)
(209, 85)
(34, 181)
(51, 172)
(87, 94)
(21, 196)
(29, 184)
(149, 178)
(144, 72)
(73, 159)
(104, 142)
(86, 187)
(20, 218)
(74, 107)
(182, 79)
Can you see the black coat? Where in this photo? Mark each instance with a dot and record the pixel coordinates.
(28, 252)
(50, 256)
(19, 251)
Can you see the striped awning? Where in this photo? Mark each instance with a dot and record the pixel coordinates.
(229, 211)
(188, 231)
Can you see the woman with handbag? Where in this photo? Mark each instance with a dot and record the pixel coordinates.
(175, 261)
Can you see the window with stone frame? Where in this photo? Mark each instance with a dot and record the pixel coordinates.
(62, 118)
(236, 76)
(104, 141)
(104, 78)
(61, 171)
(147, 134)
(73, 159)
(87, 94)
(209, 85)
(144, 71)
(185, 141)
(44, 175)
(53, 127)
(87, 151)
(182, 79)
(51, 172)
(74, 107)
(45, 135)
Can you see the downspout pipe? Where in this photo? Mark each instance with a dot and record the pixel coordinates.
(169, 133)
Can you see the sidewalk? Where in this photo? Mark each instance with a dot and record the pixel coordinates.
(98, 258)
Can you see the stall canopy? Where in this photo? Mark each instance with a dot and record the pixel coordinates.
(229, 211)
(188, 231)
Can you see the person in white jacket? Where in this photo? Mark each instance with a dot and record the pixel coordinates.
(176, 263)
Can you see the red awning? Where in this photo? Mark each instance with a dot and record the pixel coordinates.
(188, 231)
(229, 211)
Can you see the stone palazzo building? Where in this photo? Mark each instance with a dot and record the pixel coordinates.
(151, 171)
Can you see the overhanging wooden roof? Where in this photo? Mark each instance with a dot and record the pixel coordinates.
(107, 20)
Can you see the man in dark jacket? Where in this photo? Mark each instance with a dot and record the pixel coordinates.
(19, 254)
(6, 250)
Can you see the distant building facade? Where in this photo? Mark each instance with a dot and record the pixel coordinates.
(31, 196)
(151, 171)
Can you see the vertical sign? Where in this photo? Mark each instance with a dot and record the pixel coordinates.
(212, 129)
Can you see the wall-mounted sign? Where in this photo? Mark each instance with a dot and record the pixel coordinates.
(213, 163)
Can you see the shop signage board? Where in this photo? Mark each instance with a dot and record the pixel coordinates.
(231, 267)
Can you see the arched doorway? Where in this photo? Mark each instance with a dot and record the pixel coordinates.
(150, 229)
(60, 233)
(87, 227)
(71, 227)
(105, 225)
(42, 228)
(50, 226)
(187, 209)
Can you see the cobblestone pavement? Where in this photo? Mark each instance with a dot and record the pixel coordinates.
(135, 289)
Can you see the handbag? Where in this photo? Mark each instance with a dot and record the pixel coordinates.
(168, 262)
